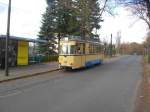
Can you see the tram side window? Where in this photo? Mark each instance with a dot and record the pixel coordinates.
(87, 48)
(90, 48)
(101, 49)
(96, 48)
(68, 49)
(93, 48)
(72, 49)
(64, 49)
(80, 48)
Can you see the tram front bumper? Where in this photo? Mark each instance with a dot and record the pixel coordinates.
(69, 66)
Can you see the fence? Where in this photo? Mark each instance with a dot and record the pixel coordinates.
(43, 58)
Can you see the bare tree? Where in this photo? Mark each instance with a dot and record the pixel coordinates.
(139, 8)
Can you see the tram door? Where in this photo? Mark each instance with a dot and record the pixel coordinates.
(82, 47)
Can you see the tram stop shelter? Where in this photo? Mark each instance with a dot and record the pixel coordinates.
(18, 50)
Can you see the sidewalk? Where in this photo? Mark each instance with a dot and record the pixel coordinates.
(27, 71)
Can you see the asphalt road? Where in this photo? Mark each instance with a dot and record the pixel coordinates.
(110, 87)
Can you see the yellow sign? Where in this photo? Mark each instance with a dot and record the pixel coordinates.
(22, 58)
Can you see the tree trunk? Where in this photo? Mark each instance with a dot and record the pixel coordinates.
(148, 10)
(149, 25)
(59, 37)
(148, 55)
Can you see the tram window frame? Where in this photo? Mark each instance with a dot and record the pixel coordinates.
(97, 49)
(87, 48)
(72, 49)
(94, 49)
(90, 48)
(84, 45)
(78, 48)
(81, 47)
(61, 49)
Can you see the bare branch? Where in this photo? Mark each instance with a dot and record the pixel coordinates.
(102, 10)
(139, 8)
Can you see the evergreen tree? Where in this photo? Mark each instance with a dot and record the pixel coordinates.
(89, 16)
(95, 18)
(69, 17)
(67, 23)
(48, 28)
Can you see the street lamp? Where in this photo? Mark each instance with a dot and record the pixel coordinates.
(7, 40)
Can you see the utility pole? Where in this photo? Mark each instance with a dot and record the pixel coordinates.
(118, 42)
(111, 46)
(7, 40)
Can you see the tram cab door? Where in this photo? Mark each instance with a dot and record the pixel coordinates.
(81, 51)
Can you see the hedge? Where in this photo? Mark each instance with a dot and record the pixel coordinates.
(49, 58)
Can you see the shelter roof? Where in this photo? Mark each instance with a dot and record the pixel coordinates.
(23, 39)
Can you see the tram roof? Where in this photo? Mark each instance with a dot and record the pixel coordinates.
(78, 38)
(23, 39)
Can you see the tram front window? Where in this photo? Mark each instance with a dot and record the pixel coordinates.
(64, 49)
(68, 49)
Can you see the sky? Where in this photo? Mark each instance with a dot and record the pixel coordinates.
(27, 14)
(132, 29)
(25, 17)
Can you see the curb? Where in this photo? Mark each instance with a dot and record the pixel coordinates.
(28, 76)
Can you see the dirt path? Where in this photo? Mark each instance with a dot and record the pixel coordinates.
(143, 98)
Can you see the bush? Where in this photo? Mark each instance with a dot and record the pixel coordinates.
(50, 58)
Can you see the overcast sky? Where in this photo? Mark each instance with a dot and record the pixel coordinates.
(26, 21)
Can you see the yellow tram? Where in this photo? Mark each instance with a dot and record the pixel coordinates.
(77, 53)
